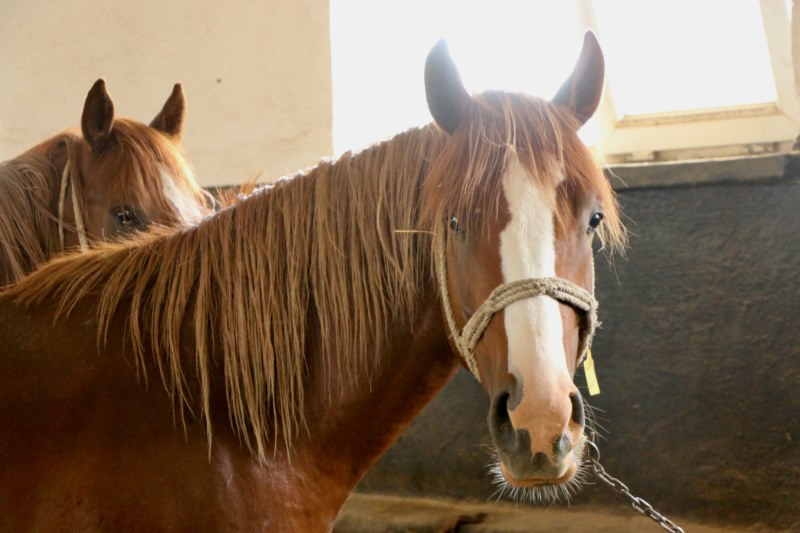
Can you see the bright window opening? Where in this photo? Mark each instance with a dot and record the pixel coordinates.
(664, 55)
(685, 77)
(379, 50)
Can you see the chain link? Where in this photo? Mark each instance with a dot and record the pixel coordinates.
(640, 505)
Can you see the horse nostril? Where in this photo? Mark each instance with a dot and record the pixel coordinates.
(577, 409)
(500, 423)
(561, 447)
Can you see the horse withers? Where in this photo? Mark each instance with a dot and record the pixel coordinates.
(243, 374)
(115, 177)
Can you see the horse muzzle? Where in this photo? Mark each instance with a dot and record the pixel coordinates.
(527, 461)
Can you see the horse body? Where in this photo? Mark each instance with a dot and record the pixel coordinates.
(87, 447)
(244, 373)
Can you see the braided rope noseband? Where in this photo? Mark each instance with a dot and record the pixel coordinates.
(504, 295)
(62, 196)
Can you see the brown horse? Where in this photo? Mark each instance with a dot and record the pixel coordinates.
(298, 332)
(71, 190)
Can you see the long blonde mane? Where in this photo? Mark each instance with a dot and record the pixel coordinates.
(321, 248)
(29, 187)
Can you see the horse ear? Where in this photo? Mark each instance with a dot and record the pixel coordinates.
(98, 115)
(170, 119)
(581, 91)
(447, 98)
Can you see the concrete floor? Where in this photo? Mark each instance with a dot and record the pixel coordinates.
(371, 513)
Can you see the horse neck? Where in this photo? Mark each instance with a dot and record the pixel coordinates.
(28, 227)
(349, 431)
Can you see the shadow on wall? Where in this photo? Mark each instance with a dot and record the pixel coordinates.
(698, 358)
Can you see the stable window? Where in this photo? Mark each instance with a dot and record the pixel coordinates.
(685, 78)
(691, 79)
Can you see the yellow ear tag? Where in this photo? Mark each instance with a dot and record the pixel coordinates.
(591, 377)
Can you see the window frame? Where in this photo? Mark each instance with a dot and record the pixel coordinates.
(709, 132)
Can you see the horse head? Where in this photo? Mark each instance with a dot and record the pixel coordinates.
(121, 175)
(523, 202)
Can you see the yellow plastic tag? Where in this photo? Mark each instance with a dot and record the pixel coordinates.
(591, 377)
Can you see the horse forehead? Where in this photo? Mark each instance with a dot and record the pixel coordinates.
(533, 326)
(101, 175)
(531, 200)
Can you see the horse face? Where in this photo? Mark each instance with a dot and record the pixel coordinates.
(543, 228)
(528, 354)
(132, 175)
(536, 414)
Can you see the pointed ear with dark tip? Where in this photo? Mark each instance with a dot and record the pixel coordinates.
(581, 91)
(98, 115)
(447, 98)
(170, 119)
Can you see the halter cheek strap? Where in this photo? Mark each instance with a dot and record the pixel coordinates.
(501, 297)
(66, 182)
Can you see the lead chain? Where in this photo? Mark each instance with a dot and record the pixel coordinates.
(640, 505)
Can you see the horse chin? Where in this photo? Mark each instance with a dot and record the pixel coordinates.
(561, 487)
(568, 474)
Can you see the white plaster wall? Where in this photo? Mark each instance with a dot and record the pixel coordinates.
(256, 75)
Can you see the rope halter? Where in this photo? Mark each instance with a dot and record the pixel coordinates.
(80, 227)
(504, 295)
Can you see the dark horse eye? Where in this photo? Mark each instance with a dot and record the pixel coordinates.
(595, 220)
(454, 227)
(126, 216)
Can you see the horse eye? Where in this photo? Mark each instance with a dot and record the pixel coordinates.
(595, 220)
(126, 216)
(454, 227)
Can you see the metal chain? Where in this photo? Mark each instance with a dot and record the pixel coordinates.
(640, 505)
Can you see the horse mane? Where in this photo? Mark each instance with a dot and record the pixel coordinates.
(26, 232)
(327, 246)
(29, 187)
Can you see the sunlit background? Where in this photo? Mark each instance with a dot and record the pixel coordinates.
(274, 86)
(662, 56)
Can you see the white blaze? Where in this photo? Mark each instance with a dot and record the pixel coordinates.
(184, 204)
(527, 250)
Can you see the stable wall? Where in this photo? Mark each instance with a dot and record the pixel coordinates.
(698, 356)
(256, 75)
